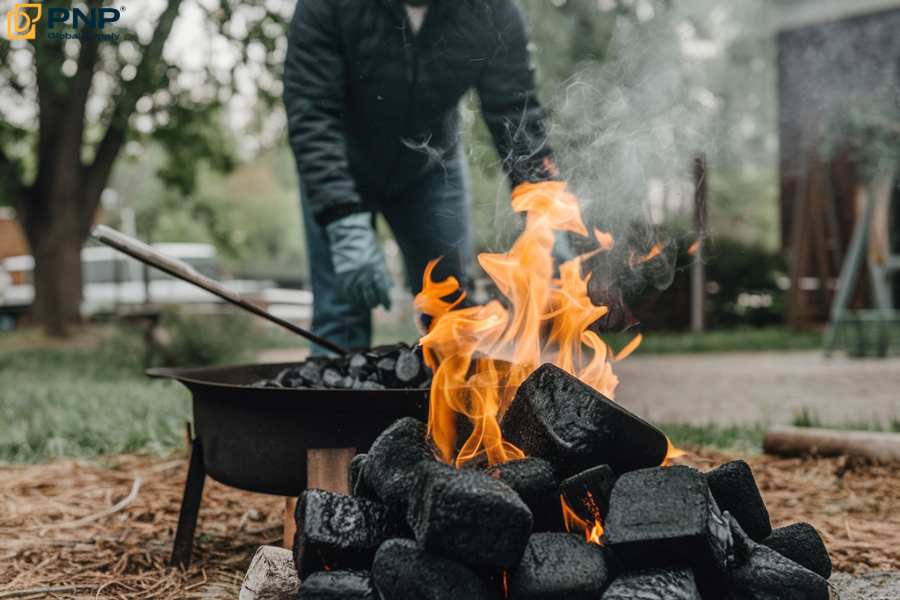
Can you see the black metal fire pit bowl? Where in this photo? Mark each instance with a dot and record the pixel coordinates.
(256, 438)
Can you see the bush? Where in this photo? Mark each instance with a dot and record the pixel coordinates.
(202, 340)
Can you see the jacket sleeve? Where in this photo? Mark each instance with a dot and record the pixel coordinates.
(509, 101)
(314, 88)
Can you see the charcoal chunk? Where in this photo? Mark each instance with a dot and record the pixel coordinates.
(760, 573)
(561, 419)
(357, 484)
(666, 516)
(735, 491)
(339, 532)
(338, 585)
(358, 366)
(801, 543)
(587, 493)
(385, 370)
(468, 516)
(310, 373)
(392, 460)
(536, 483)
(559, 566)
(675, 583)
(332, 378)
(409, 368)
(402, 571)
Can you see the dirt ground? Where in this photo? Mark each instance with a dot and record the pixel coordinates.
(88, 530)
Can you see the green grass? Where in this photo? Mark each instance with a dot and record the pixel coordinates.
(82, 402)
(744, 439)
(808, 418)
(728, 340)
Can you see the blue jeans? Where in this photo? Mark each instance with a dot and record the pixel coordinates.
(430, 219)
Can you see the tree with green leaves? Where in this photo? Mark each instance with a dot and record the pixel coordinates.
(69, 107)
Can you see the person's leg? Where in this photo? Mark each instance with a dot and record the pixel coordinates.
(334, 318)
(432, 219)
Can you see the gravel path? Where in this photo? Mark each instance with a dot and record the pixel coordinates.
(760, 387)
(873, 586)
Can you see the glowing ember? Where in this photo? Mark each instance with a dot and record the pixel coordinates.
(593, 532)
(635, 260)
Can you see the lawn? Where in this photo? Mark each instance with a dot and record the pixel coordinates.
(76, 401)
(89, 397)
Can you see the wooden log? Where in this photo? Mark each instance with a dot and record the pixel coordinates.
(806, 441)
(326, 469)
(271, 576)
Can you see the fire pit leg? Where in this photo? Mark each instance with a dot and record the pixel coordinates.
(326, 469)
(190, 508)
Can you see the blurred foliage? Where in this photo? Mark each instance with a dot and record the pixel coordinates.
(744, 285)
(176, 98)
(203, 340)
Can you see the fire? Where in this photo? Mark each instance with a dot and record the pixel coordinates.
(480, 355)
(694, 248)
(605, 239)
(672, 452)
(593, 532)
(636, 260)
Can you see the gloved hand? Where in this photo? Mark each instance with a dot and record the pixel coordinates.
(358, 262)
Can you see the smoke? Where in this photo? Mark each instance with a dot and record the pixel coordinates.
(627, 132)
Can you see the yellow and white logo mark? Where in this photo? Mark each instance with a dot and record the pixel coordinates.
(21, 21)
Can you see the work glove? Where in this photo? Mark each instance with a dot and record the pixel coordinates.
(361, 271)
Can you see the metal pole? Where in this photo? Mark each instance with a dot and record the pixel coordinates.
(698, 272)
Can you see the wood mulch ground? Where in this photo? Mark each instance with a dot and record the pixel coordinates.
(103, 529)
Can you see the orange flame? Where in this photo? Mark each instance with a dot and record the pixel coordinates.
(636, 260)
(672, 452)
(694, 248)
(593, 532)
(480, 355)
(605, 239)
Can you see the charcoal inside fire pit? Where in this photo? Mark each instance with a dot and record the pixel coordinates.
(559, 418)
(339, 532)
(735, 491)
(396, 366)
(559, 566)
(536, 483)
(468, 516)
(587, 493)
(801, 543)
(760, 573)
(675, 583)
(392, 460)
(666, 516)
(338, 585)
(402, 571)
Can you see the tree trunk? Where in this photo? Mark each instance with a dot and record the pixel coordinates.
(56, 238)
(57, 280)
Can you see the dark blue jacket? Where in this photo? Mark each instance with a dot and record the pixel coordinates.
(373, 106)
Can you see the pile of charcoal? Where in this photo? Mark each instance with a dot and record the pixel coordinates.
(417, 528)
(395, 366)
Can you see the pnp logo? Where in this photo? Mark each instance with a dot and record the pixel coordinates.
(21, 21)
(94, 18)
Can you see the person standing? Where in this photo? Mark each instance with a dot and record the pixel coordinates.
(371, 89)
